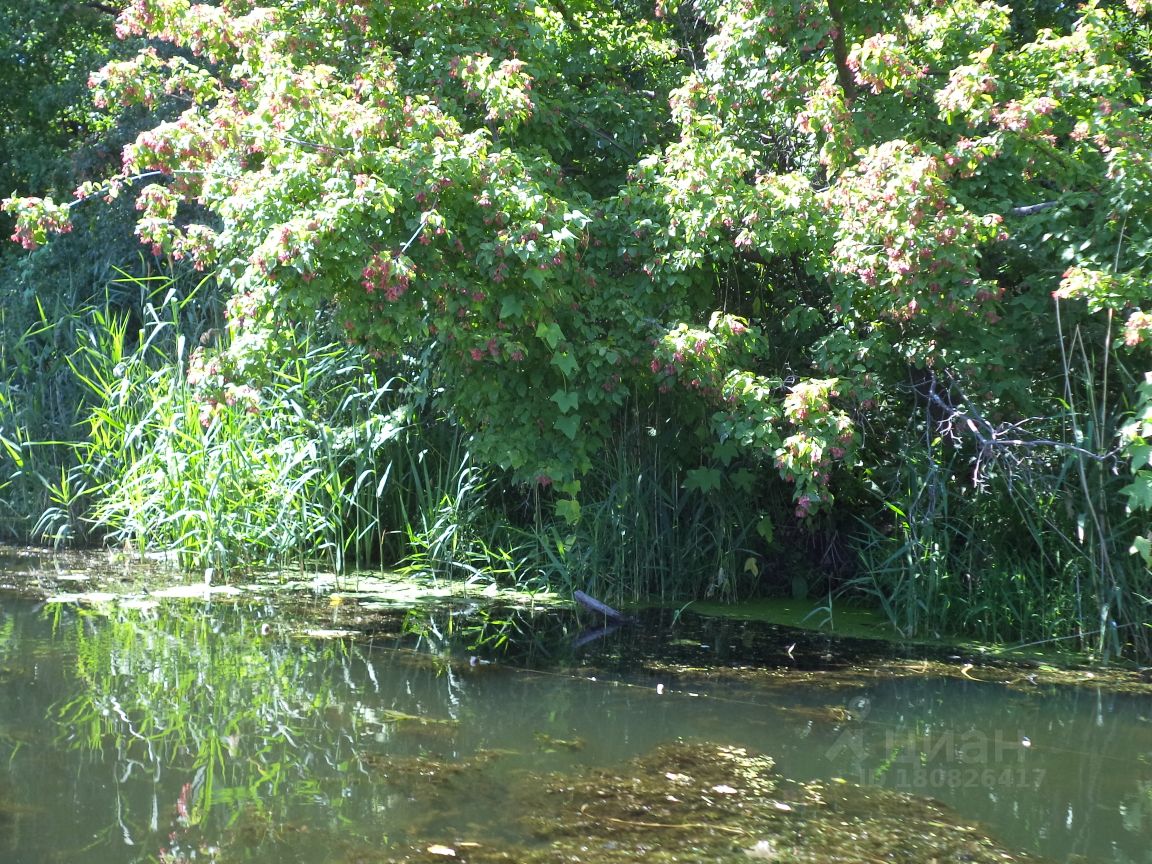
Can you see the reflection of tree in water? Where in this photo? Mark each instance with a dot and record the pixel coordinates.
(231, 738)
(215, 720)
(525, 635)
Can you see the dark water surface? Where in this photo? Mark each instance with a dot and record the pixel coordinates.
(213, 732)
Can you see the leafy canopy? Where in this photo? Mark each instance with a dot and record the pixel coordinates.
(767, 213)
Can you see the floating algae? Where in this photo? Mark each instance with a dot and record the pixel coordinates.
(687, 802)
(417, 727)
(406, 720)
(1008, 673)
(424, 773)
(552, 744)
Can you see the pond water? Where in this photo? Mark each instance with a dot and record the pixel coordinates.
(196, 731)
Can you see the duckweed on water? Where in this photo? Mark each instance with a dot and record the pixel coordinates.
(687, 802)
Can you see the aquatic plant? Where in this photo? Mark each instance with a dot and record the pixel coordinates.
(690, 802)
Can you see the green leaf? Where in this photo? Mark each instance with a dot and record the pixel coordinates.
(1139, 491)
(577, 217)
(1142, 546)
(743, 480)
(14, 451)
(1140, 454)
(568, 509)
(569, 425)
(703, 479)
(566, 363)
(726, 451)
(566, 401)
(550, 333)
(511, 305)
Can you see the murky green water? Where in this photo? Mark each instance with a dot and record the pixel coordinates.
(200, 732)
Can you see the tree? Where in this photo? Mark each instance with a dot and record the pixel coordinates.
(847, 217)
(46, 52)
(906, 190)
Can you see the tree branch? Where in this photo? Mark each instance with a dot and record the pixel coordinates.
(1030, 209)
(566, 15)
(840, 52)
(101, 7)
(994, 440)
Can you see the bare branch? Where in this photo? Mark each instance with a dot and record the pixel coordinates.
(995, 441)
(1030, 209)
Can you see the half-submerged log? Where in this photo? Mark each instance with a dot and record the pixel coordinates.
(595, 605)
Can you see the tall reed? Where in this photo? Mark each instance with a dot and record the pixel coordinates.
(642, 533)
(1025, 541)
(245, 483)
(326, 463)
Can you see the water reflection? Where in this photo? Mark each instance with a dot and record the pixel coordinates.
(183, 732)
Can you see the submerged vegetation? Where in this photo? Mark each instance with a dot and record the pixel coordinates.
(694, 802)
(212, 730)
(696, 300)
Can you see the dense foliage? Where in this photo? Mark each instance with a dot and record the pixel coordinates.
(887, 257)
